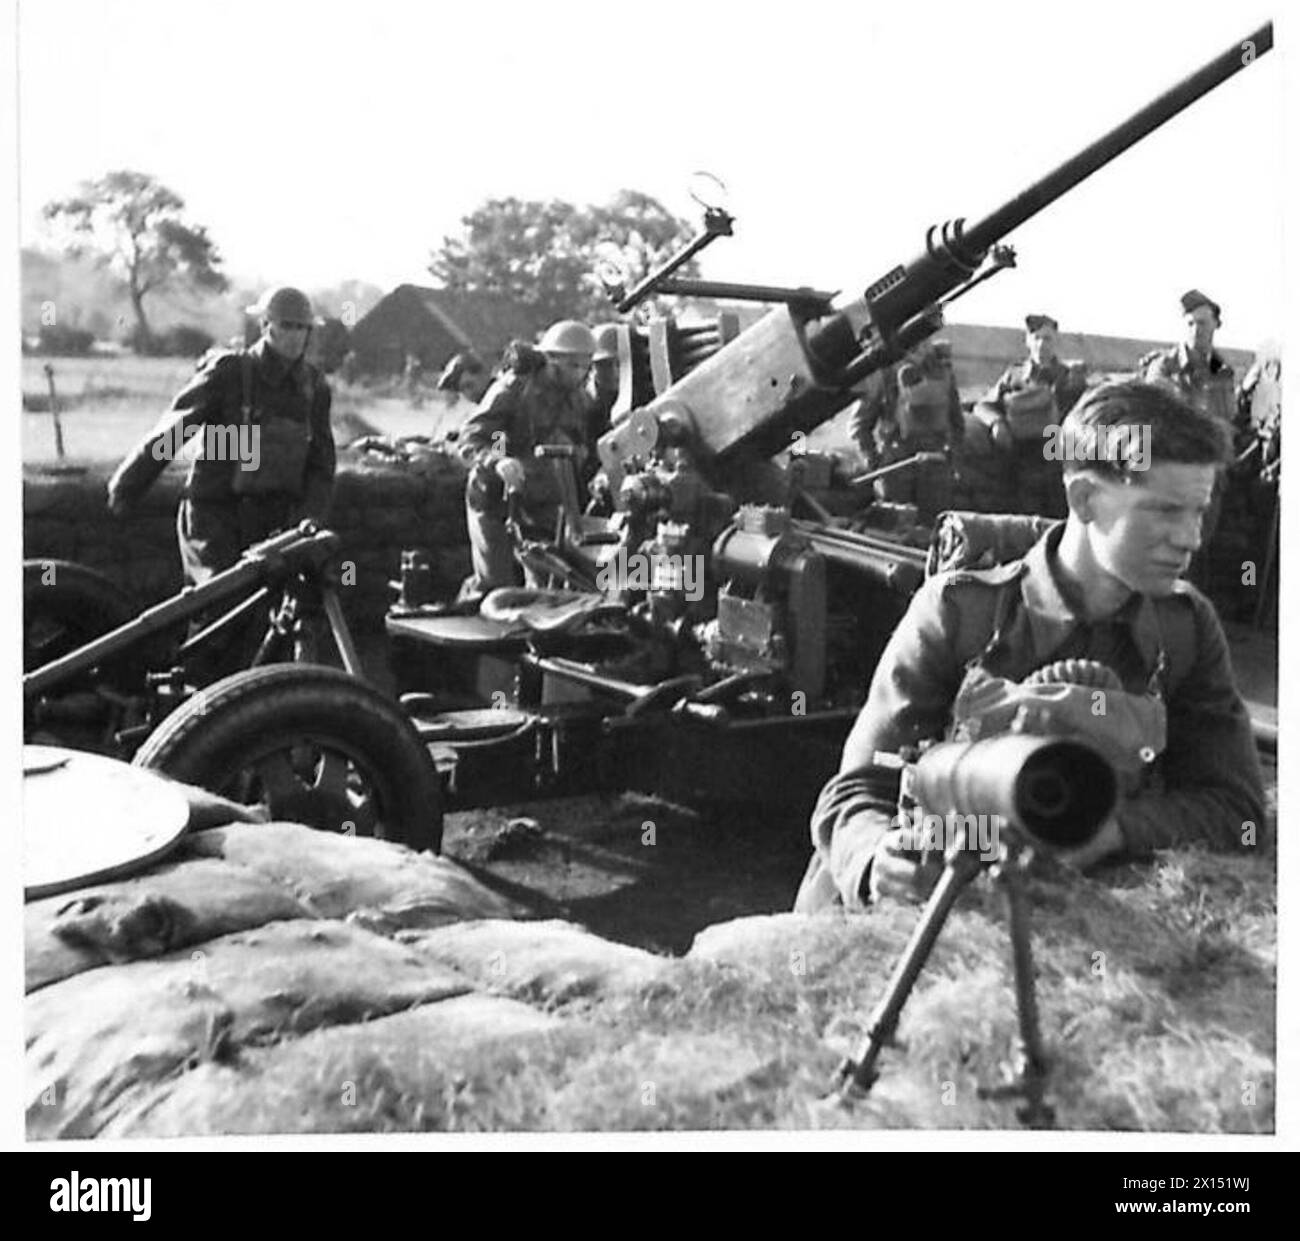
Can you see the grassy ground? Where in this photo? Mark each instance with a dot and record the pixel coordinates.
(107, 403)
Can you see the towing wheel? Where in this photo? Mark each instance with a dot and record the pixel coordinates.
(312, 744)
(66, 605)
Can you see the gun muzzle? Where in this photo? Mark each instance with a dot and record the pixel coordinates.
(1057, 791)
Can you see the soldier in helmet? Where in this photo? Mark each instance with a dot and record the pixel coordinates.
(265, 448)
(605, 379)
(1027, 399)
(540, 399)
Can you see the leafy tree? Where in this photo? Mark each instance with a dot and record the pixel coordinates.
(136, 226)
(548, 254)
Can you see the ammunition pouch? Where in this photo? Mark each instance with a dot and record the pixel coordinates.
(1030, 412)
(282, 460)
(923, 409)
(1129, 729)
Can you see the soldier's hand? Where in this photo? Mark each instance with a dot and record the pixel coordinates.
(898, 873)
(510, 470)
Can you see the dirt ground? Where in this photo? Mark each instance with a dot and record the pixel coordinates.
(632, 868)
(653, 874)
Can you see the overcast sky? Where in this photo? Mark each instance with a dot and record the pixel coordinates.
(322, 141)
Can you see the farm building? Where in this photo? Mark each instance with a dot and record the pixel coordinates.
(433, 324)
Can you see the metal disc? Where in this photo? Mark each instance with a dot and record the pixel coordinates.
(87, 818)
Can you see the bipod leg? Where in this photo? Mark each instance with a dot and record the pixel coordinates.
(856, 1076)
(1035, 1112)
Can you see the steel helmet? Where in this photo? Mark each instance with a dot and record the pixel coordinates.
(283, 302)
(568, 336)
(606, 342)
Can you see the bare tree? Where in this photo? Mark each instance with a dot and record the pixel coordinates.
(136, 226)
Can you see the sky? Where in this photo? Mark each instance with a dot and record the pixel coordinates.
(320, 142)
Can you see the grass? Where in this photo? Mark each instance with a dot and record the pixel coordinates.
(1174, 1033)
(107, 403)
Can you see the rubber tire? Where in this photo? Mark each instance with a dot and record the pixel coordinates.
(206, 740)
(89, 604)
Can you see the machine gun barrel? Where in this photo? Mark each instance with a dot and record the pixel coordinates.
(1058, 791)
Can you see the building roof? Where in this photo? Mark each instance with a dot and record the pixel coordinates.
(486, 322)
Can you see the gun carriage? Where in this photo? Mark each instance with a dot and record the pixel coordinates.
(709, 636)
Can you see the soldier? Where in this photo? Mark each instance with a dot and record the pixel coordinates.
(465, 376)
(532, 403)
(603, 389)
(1198, 371)
(1103, 585)
(914, 407)
(1028, 398)
(1194, 366)
(266, 450)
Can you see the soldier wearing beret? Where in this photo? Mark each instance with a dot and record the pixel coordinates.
(1202, 375)
(1193, 365)
(265, 447)
(1028, 398)
(1104, 586)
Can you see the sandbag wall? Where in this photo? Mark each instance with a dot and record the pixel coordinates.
(381, 506)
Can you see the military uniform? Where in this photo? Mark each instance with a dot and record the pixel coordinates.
(914, 407)
(517, 413)
(1207, 382)
(1008, 621)
(226, 507)
(1030, 397)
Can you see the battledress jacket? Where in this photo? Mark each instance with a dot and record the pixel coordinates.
(1205, 786)
(214, 397)
(1208, 383)
(1067, 383)
(520, 412)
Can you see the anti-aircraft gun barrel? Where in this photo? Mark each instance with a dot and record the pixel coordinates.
(954, 252)
(793, 370)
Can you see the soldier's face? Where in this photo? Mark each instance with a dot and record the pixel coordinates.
(1199, 326)
(605, 375)
(1042, 345)
(569, 369)
(288, 337)
(1144, 532)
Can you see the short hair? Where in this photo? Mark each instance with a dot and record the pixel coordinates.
(1179, 432)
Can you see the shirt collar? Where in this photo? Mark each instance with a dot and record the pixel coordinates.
(1188, 361)
(1051, 618)
(271, 363)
